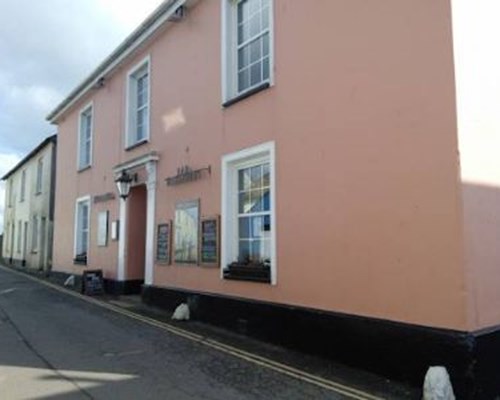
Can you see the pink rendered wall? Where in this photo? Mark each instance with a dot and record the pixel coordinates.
(362, 114)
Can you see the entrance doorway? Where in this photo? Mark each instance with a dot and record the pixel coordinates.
(136, 239)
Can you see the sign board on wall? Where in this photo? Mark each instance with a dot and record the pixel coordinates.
(209, 241)
(163, 243)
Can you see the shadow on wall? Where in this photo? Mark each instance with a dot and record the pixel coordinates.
(481, 209)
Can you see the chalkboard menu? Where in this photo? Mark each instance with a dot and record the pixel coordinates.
(92, 282)
(163, 243)
(209, 247)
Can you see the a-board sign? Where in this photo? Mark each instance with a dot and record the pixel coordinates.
(163, 243)
(92, 282)
(209, 238)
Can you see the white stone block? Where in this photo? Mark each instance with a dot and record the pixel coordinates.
(181, 313)
(437, 385)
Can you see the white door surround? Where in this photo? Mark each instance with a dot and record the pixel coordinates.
(149, 163)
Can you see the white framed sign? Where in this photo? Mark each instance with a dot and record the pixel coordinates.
(102, 228)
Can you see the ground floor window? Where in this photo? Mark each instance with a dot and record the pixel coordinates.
(248, 215)
(34, 237)
(82, 218)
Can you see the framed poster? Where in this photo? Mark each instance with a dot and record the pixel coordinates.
(102, 228)
(164, 243)
(186, 232)
(209, 241)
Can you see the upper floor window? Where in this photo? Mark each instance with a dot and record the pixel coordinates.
(23, 186)
(138, 90)
(11, 192)
(85, 137)
(248, 46)
(39, 176)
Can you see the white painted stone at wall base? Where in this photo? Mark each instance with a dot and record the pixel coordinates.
(437, 385)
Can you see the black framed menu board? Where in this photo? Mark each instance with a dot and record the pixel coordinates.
(163, 243)
(209, 238)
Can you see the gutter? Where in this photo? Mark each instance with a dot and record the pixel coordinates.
(133, 42)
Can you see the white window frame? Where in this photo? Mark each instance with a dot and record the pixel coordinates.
(131, 108)
(229, 51)
(39, 176)
(22, 195)
(264, 152)
(34, 235)
(89, 108)
(81, 200)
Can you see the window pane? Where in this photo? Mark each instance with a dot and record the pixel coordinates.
(244, 228)
(244, 251)
(267, 223)
(265, 18)
(254, 5)
(255, 74)
(243, 10)
(256, 251)
(265, 175)
(266, 200)
(257, 226)
(244, 203)
(255, 25)
(244, 179)
(244, 79)
(265, 69)
(255, 51)
(243, 57)
(256, 176)
(265, 44)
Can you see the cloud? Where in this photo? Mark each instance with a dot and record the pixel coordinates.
(46, 49)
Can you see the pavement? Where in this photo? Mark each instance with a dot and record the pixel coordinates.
(58, 344)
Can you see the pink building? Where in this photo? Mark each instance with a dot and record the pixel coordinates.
(298, 171)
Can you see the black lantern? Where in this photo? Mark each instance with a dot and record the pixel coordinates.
(123, 184)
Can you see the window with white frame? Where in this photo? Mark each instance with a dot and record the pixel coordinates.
(11, 191)
(82, 220)
(19, 235)
(85, 137)
(248, 215)
(39, 176)
(138, 91)
(23, 186)
(247, 46)
(34, 235)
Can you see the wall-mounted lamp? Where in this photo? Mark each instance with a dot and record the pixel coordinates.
(123, 183)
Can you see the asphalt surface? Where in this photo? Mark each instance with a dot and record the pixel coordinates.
(57, 346)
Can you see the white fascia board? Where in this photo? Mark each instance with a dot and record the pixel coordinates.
(116, 58)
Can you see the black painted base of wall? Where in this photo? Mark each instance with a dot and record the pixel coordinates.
(398, 351)
(123, 287)
(111, 286)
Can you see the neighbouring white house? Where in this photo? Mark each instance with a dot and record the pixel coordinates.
(29, 208)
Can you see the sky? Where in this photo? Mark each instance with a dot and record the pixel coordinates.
(46, 49)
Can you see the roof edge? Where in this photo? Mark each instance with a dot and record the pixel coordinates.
(131, 43)
(31, 154)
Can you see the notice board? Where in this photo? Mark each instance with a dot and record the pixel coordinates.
(163, 243)
(209, 238)
(92, 282)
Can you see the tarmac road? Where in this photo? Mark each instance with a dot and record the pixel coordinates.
(57, 346)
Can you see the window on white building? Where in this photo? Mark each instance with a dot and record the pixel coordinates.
(23, 186)
(34, 235)
(248, 215)
(85, 137)
(82, 220)
(19, 235)
(39, 176)
(138, 108)
(247, 46)
(11, 191)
